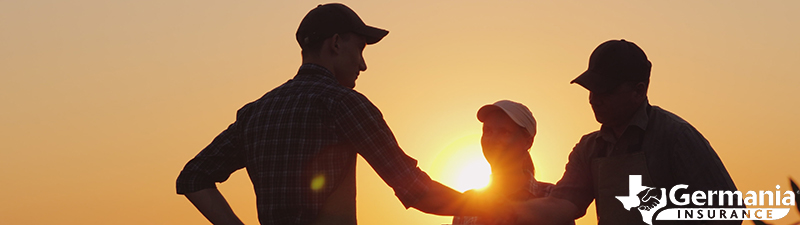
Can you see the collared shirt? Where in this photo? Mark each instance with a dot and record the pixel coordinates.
(631, 138)
(298, 143)
(675, 152)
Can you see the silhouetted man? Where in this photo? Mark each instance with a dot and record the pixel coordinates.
(635, 139)
(299, 141)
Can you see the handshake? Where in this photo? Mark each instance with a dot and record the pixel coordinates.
(649, 198)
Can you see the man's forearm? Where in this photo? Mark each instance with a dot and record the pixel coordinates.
(442, 200)
(213, 206)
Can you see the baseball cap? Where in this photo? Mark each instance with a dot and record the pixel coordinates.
(326, 20)
(520, 114)
(612, 63)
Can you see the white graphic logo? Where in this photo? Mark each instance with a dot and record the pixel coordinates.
(711, 204)
(648, 200)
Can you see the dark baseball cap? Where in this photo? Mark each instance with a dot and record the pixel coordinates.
(326, 20)
(613, 63)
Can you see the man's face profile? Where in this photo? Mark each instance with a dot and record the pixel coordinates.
(349, 61)
(617, 105)
(503, 140)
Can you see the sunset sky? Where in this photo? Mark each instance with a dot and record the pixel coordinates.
(103, 102)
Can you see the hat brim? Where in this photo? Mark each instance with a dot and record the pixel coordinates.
(595, 82)
(372, 34)
(486, 109)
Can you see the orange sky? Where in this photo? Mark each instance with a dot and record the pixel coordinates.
(103, 102)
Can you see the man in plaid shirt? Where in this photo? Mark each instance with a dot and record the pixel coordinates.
(299, 141)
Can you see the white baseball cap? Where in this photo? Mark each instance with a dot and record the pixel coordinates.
(517, 111)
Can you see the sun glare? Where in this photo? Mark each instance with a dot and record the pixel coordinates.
(474, 174)
(461, 165)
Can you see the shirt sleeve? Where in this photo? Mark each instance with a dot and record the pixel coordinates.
(695, 162)
(213, 164)
(576, 183)
(362, 125)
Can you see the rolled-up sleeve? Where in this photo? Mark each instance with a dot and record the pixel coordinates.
(362, 124)
(215, 163)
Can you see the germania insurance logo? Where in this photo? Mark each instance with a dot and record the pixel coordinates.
(704, 205)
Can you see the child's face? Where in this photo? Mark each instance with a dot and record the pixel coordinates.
(503, 141)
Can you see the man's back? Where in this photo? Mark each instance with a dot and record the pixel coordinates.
(295, 154)
(298, 142)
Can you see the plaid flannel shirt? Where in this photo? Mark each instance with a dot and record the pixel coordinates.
(307, 128)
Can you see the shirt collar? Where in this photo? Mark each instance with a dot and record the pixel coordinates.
(311, 68)
(639, 120)
(640, 117)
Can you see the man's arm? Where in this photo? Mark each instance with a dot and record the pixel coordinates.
(695, 162)
(569, 198)
(214, 207)
(215, 163)
(442, 200)
(362, 125)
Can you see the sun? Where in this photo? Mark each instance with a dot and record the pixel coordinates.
(475, 174)
(461, 165)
